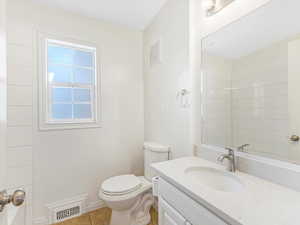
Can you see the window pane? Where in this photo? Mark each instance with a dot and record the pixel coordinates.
(82, 58)
(82, 95)
(58, 73)
(60, 55)
(83, 76)
(61, 94)
(61, 111)
(82, 111)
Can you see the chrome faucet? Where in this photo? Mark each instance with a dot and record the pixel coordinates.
(230, 157)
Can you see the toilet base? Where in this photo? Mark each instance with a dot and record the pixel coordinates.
(139, 214)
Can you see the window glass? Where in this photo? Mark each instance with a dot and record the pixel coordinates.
(71, 86)
(60, 55)
(82, 95)
(61, 111)
(59, 74)
(84, 59)
(84, 76)
(82, 111)
(61, 94)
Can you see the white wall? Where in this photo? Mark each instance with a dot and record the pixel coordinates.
(71, 162)
(166, 121)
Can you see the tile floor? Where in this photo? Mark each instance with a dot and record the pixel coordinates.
(101, 217)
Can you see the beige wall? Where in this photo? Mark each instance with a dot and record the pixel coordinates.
(71, 162)
(166, 121)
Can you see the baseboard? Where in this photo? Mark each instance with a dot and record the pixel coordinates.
(91, 206)
(95, 205)
(40, 221)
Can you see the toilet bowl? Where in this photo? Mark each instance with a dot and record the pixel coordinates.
(130, 197)
(131, 202)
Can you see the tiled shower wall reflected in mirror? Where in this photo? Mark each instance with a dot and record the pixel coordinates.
(245, 100)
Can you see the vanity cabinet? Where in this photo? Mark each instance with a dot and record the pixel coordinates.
(177, 208)
(168, 215)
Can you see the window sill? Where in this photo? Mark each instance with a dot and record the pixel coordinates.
(68, 126)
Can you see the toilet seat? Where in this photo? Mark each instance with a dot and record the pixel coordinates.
(145, 186)
(121, 185)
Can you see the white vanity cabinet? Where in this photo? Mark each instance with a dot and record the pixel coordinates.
(168, 215)
(177, 208)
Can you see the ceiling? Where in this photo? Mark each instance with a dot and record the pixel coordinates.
(133, 13)
(274, 22)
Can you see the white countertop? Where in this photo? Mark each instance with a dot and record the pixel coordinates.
(259, 203)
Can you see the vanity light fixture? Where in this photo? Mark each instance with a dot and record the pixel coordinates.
(208, 5)
(212, 7)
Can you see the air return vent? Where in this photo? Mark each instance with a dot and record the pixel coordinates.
(66, 209)
(155, 53)
(67, 213)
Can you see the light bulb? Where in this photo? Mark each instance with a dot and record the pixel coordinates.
(208, 4)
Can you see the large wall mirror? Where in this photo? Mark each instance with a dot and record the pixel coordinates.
(251, 83)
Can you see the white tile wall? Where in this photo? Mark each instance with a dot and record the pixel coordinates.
(19, 176)
(122, 106)
(19, 136)
(19, 75)
(19, 55)
(246, 101)
(19, 116)
(19, 156)
(19, 29)
(20, 122)
(216, 101)
(260, 101)
(19, 95)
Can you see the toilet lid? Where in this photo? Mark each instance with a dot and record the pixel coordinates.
(121, 185)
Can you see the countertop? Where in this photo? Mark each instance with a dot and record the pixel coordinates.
(259, 203)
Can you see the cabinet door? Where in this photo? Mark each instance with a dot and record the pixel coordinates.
(168, 215)
(191, 210)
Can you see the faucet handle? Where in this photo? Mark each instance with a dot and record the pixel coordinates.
(220, 158)
(241, 148)
(230, 150)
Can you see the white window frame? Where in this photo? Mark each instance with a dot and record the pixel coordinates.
(46, 122)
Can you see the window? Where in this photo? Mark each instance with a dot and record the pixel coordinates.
(68, 84)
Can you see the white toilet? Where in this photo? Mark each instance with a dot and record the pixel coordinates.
(129, 196)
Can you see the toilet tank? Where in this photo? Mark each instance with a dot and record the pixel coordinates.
(153, 153)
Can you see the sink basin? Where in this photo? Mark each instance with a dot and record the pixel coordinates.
(215, 179)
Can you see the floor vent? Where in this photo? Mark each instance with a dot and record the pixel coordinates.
(67, 213)
(66, 209)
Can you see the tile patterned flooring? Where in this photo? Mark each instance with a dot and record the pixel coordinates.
(101, 217)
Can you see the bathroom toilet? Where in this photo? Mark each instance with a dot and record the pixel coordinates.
(129, 196)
